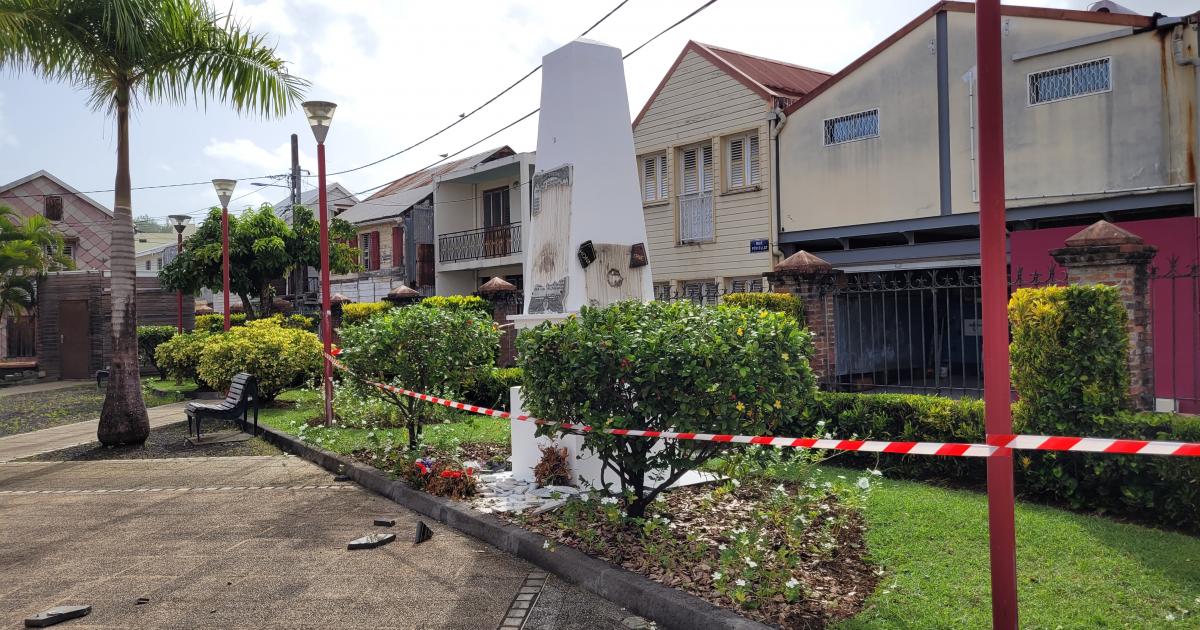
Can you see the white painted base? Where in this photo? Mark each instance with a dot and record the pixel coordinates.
(1166, 405)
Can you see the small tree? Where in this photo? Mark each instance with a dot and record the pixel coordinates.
(431, 350)
(279, 356)
(665, 367)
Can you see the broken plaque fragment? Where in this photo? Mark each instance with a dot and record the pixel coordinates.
(371, 541)
(58, 614)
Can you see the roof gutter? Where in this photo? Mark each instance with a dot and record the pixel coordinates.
(1177, 35)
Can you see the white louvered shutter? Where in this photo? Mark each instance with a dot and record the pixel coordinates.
(708, 168)
(753, 160)
(649, 179)
(737, 163)
(691, 175)
(662, 176)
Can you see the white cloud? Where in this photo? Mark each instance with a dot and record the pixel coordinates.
(7, 139)
(246, 151)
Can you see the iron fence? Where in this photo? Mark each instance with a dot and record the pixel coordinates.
(490, 242)
(20, 335)
(1175, 325)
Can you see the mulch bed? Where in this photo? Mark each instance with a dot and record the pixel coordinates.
(836, 583)
(165, 442)
(21, 413)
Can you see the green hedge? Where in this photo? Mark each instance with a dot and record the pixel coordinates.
(780, 302)
(179, 356)
(280, 357)
(1159, 490)
(492, 389)
(149, 338)
(458, 302)
(216, 322)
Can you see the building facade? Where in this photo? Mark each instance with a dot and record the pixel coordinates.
(703, 143)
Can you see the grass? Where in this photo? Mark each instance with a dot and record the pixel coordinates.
(22, 413)
(169, 386)
(1075, 571)
(303, 405)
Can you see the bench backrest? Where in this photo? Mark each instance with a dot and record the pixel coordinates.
(243, 387)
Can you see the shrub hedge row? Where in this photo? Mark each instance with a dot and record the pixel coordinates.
(780, 302)
(359, 312)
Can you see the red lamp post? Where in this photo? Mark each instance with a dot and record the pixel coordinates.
(224, 189)
(320, 114)
(179, 222)
(996, 384)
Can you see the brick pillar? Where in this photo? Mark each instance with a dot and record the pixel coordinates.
(1106, 254)
(812, 280)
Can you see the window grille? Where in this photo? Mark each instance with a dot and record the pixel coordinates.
(662, 291)
(746, 285)
(852, 127)
(695, 202)
(1081, 79)
(52, 207)
(654, 178)
(701, 291)
(743, 161)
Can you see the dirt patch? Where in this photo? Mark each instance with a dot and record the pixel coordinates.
(164, 442)
(832, 576)
(21, 413)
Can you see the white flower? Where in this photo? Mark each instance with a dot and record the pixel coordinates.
(740, 582)
(609, 500)
(751, 563)
(780, 489)
(546, 544)
(722, 547)
(717, 575)
(736, 483)
(1170, 616)
(876, 472)
(864, 483)
(792, 583)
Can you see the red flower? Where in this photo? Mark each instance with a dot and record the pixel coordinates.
(450, 474)
(336, 351)
(423, 468)
(470, 470)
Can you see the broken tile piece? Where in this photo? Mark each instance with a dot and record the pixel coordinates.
(371, 541)
(385, 522)
(58, 614)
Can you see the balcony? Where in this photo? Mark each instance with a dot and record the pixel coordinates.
(491, 242)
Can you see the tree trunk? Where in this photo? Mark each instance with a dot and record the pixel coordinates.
(247, 307)
(123, 418)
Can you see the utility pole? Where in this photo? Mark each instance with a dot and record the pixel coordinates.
(294, 180)
(299, 276)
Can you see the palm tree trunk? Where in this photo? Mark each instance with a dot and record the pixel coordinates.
(123, 418)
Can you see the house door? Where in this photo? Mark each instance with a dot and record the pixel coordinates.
(75, 342)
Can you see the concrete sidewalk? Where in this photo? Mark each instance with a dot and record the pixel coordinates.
(49, 386)
(68, 435)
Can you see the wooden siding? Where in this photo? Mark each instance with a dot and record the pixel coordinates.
(702, 104)
(154, 307)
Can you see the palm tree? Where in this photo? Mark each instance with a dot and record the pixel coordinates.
(124, 52)
(28, 249)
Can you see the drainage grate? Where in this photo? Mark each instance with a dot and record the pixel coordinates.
(526, 597)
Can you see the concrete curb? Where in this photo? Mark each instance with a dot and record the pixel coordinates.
(666, 606)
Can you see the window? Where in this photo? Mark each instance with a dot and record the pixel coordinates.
(852, 127)
(695, 200)
(746, 285)
(742, 161)
(495, 207)
(662, 291)
(368, 251)
(701, 291)
(1081, 79)
(158, 264)
(147, 264)
(52, 207)
(68, 250)
(654, 177)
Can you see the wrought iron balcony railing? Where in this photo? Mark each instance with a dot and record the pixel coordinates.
(491, 242)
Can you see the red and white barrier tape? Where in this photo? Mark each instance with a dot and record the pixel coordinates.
(996, 443)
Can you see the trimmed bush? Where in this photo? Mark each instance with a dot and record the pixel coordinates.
(431, 350)
(1069, 357)
(299, 322)
(458, 302)
(280, 357)
(359, 312)
(216, 322)
(492, 389)
(179, 356)
(781, 302)
(667, 367)
(149, 338)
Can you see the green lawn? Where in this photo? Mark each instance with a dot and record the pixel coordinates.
(169, 385)
(1075, 571)
(466, 428)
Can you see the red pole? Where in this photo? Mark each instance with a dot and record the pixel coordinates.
(993, 260)
(179, 294)
(225, 259)
(326, 313)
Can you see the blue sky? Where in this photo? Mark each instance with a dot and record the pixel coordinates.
(402, 69)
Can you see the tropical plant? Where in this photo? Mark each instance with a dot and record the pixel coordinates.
(179, 356)
(431, 350)
(665, 367)
(279, 356)
(359, 312)
(262, 248)
(28, 249)
(149, 338)
(152, 51)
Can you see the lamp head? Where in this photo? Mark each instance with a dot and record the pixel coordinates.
(224, 188)
(320, 114)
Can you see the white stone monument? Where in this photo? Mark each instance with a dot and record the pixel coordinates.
(585, 242)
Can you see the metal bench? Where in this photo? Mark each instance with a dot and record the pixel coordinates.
(243, 393)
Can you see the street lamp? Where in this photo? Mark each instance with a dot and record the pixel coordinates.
(180, 223)
(320, 114)
(224, 188)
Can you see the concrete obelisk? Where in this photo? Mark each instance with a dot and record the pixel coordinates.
(585, 242)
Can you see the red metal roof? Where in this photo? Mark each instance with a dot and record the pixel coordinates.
(425, 177)
(766, 77)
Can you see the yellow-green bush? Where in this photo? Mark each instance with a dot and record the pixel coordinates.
(779, 302)
(359, 312)
(179, 356)
(457, 302)
(279, 357)
(216, 322)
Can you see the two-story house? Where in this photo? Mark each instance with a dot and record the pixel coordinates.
(878, 171)
(703, 142)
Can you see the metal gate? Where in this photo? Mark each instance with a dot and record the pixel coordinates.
(1175, 313)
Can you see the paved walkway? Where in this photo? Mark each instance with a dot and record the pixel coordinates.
(48, 386)
(37, 442)
(251, 542)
